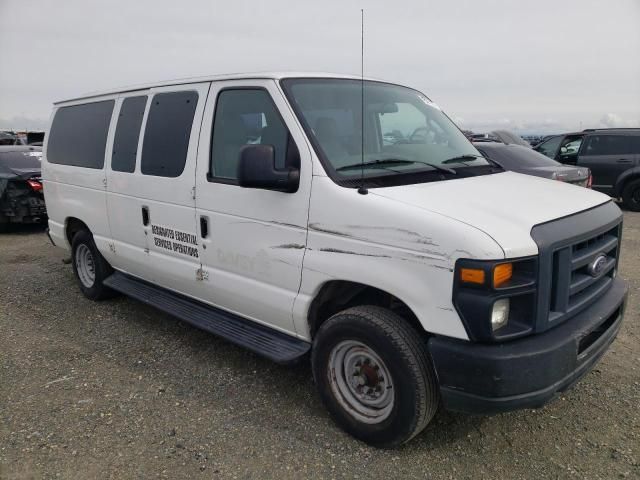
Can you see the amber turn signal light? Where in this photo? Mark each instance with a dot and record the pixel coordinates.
(472, 275)
(502, 274)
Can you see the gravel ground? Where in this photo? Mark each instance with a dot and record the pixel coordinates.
(118, 390)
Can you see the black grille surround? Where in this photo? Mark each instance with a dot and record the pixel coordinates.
(567, 248)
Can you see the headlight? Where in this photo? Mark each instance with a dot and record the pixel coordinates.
(500, 314)
(496, 299)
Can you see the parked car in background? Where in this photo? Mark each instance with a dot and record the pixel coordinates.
(534, 140)
(509, 138)
(612, 155)
(525, 160)
(502, 136)
(21, 195)
(8, 137)
(482, 137)
(34, 138)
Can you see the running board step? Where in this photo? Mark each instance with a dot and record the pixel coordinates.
(274, 345)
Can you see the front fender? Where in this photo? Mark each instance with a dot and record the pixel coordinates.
(406, 251)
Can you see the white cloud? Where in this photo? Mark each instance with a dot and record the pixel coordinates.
(612, 120)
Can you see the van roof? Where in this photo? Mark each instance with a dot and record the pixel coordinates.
(214, 78)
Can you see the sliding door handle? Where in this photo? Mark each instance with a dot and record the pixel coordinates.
(204, 226)
(145, 216)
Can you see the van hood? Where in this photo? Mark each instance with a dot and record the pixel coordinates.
(506, 206)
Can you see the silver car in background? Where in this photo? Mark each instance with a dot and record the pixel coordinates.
(525, 160)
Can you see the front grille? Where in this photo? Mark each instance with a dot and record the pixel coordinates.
(568, 248)
(573, 285)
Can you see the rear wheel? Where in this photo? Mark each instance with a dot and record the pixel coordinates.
(90, 267)
(631, 195)
(374, 375)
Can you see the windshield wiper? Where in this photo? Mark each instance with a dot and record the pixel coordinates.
(461, 158)
(394, 161)
(374, 163)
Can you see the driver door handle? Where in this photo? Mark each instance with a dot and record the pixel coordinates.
(623, 160)
(204, 226)
(145, 216)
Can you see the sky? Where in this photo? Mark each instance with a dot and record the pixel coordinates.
(543, 66)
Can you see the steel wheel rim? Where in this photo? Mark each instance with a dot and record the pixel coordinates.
(85, 265)
(361, 382)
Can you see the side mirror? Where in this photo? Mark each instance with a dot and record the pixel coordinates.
(256, 169)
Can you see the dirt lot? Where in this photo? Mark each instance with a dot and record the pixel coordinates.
(119, 390)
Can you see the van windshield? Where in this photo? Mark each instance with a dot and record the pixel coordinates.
(403, 131)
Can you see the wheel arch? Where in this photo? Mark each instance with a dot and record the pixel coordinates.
(624, 178)
(337, 295)
(73, 225)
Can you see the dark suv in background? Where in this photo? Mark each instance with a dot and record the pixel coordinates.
(613, 155)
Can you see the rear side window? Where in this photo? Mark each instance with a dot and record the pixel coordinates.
(78, 135)
(166, 136)
(125, 144)
(609, 145)
(245, 117)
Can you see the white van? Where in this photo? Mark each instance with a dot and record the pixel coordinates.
(348, 219)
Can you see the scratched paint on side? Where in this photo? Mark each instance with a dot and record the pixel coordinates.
(286, 246)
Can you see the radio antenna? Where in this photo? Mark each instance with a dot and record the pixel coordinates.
(362, 190)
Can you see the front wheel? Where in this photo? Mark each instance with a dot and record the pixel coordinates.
(631, 195)
(90, 267)
(374, 375)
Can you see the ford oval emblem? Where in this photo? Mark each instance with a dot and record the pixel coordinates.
(596, 267)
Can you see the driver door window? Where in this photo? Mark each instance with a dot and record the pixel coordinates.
(244, 117)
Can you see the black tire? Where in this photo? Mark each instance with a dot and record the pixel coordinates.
(631, 195)
(404, 353)
(97, 290)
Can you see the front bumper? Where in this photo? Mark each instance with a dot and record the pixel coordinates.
(529, 372)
